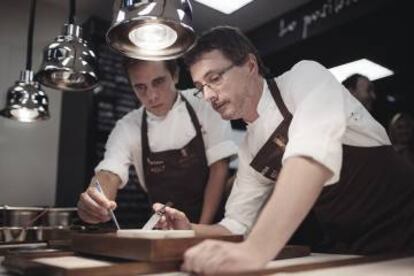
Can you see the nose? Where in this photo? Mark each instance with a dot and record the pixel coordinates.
(153, 95)
(209, 94)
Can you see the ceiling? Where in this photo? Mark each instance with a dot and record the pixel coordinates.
(247, 18)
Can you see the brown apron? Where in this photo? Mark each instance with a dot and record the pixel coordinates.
(370, 210)
(178, 175)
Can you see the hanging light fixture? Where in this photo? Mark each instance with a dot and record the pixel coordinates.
(152, 29)
(68, 62)
(26, 102)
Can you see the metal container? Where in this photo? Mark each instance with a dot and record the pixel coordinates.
(20, 216)
(1, 235)
(34, 234)
(59, 217)
(37, 216)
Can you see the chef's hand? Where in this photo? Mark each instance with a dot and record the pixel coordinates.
(93, 206)
(212, 257)
(172, 218)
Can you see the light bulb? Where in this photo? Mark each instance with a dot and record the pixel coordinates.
(24, 114)
(153, 36)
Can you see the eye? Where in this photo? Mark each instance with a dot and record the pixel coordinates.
(215, 79)
(158, 81)
(140, 88)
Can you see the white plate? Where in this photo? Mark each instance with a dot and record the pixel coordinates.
(155, 234)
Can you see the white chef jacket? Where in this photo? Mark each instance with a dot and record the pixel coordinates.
(325, 116)
(172, 131)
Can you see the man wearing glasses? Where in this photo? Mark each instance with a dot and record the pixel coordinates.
(178, 145)
(311, 151)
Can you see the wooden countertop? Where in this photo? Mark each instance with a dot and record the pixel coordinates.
(316, 264)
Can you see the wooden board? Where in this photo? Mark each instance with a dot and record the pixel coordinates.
(140, 249)
(66, 263)
(72, 265)
(293, 251)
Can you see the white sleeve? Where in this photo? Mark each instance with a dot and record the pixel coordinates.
(217, 134)
(117, 158)
(249, 193)
(319, 119)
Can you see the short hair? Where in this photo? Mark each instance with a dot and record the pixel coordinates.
(171, 65)
(230, 41)
(351, 81)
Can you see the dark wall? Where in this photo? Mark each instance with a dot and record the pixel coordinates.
(381, 34)
(74, 142)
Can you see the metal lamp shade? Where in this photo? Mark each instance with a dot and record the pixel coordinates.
(152, 30)
(68, 63)
(26, 102)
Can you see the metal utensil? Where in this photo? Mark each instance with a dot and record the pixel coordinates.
(99, 188)
(156, 217)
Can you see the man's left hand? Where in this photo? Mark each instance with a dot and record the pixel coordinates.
(211, 256)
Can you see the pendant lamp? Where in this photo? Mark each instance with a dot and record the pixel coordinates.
(152, 29)
(68, 63)
(26, 102)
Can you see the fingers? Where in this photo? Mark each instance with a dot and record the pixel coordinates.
(164, 223)
(205, 257)
(92, 207)
(212, 257)
(213, 262)
(172, 218)
(100, 198)
(88, 216)
(157, 206)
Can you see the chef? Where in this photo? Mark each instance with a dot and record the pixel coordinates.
(311, 151)
(179, 146)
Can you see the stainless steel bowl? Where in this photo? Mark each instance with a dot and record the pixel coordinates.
(1, 235)
(26, 216)
(59, 217)
(20, 216)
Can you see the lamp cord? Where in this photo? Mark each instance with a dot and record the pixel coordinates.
(164, 3)
(72, 12)
(30, 35)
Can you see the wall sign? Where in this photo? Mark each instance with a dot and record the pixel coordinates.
(313, 18)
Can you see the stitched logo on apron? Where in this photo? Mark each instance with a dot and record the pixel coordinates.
(265, 170)
(184, 152)
(274, 174)
(155, 162)
(157, 169)
(280, 141)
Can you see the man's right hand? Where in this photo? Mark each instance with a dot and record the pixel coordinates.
(93, 206)
(172, 218)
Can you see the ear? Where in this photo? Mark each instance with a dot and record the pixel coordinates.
(176, 76)
(252, 65)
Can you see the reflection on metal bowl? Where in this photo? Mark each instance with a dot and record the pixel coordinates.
(14, 234)
(21, 234)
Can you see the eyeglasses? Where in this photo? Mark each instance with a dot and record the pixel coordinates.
(214, 82)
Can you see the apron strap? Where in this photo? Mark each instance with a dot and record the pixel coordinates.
(274, 90)
(197, 126)
(144, 133)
